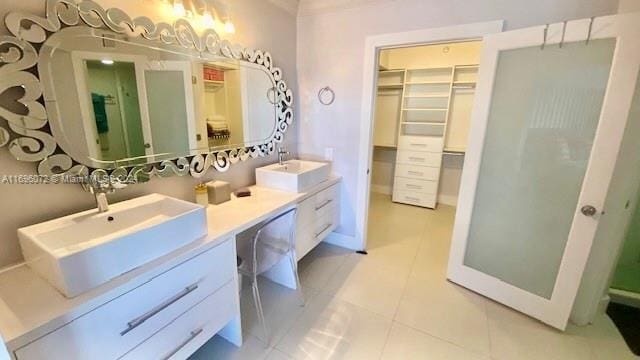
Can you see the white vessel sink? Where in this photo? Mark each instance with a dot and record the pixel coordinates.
(293, 175)
(78, 252)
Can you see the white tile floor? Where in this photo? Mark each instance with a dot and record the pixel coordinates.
(395, 303)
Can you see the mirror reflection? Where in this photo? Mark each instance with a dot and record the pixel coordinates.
(121, 101)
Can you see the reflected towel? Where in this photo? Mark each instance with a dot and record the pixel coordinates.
(100, 111)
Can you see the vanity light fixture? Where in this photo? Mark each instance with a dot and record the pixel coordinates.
(107, 61)
(229, 27)
(178, 8)
(209, 16)
(207, 19)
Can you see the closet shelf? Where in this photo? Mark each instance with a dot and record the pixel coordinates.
(472, 66)
(429, 82)
(422, 123)
(426, 96)
(455, 152)
(430, 69)
(390, 86)
(424, 109)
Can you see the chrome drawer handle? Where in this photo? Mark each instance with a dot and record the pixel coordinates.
(412, 198)
(412, 186)
(415, 144)
(323, 229)
(151, 313)
(415, 173)
(324, 204)
(192, 336)
(416, 158)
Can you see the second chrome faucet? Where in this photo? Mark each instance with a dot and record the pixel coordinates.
(282, 152)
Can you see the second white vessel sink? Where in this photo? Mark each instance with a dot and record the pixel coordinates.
(78, 252)
(293, 175)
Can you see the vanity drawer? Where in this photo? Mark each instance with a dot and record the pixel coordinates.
(191, 330)
(413, 198)
(416, 186)
(419, 158)
(421, 143)
(126, 321)
(327, 196)
(309, 208)
(310, 235)
(417, 172)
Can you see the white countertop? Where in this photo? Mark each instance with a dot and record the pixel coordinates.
(31, 308)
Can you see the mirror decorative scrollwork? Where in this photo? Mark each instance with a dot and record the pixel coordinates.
(128, 97)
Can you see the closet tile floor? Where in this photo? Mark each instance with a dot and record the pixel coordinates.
(396, 303)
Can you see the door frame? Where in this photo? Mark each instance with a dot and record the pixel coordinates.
(187, 72)
(78, 59)
(373, 45)
(617, 103)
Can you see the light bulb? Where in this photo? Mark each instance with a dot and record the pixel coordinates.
(107, 61)
(178, 8)
(229, 27)
(207, 20)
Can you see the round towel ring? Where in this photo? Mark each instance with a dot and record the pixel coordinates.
(321, 96)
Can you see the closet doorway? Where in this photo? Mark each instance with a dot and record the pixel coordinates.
(423, 106)
(537, 166)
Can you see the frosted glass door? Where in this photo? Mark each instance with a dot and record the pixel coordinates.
(538, 141)
(544, 138)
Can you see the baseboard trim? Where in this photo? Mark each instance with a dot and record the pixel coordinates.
(450, 200)
(382, 189)
(342, 240)
(624, 297)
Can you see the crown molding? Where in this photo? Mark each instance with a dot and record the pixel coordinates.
(290, 6)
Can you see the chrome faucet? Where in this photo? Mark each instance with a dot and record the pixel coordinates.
(100, 191)
(101, 201)
(282, 152)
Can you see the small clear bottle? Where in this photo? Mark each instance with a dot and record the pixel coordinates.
(202, 196)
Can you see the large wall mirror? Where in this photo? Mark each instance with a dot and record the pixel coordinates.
(125, 95)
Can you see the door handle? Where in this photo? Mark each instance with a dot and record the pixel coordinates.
(589, 211)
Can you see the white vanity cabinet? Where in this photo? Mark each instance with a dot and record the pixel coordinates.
(169, 316)
(318, 215)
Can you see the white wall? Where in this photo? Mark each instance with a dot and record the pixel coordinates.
(259, 24)
(629, 6)
(331, 49)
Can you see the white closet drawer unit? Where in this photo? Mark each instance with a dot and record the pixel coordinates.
(421, 143)
(116, 327)
(418, 172)
(187, 333)
(414, 198)
(419, 158)
(417, 186)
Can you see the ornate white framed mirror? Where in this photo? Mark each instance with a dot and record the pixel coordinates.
(91, 91)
